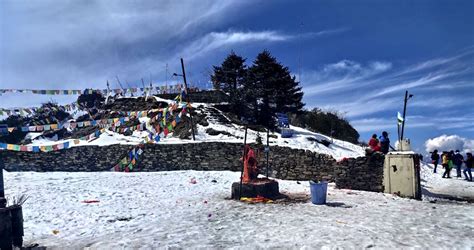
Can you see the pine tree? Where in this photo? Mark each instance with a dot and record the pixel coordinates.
(272, 89)
(230, 77)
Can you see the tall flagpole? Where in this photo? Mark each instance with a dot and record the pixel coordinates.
(187, 97)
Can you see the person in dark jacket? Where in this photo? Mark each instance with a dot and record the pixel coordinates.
(468, 163)
(457, 161)
(435, 159)
(384, 142)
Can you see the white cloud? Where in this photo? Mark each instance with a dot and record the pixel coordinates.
(380, 66)
(330, 32)
(372, 124)
(449, 142)
(216, 40)
(360, 89)
(343, 75)
(354, 108)
(84, 44)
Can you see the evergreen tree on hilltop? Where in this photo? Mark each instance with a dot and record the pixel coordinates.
(272, 88)
(230, 77)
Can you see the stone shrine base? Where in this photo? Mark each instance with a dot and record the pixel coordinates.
(260, 187)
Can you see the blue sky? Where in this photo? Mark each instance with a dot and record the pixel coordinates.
(354, 57)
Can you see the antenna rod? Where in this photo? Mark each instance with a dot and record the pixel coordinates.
(166, 75)
(129, 87)
(151, 85)
(187, 97)
(120, 84)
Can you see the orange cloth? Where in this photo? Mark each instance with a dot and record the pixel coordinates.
(250, 166)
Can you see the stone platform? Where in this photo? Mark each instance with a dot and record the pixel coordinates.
(260, 187)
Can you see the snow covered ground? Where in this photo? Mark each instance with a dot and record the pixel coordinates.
(164, 209)
(437, 187)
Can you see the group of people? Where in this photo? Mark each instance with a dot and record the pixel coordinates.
(382, 144)
(453, 159)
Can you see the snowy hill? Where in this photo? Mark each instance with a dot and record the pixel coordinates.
(219, 128)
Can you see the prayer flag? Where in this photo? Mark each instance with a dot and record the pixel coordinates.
(399, 118)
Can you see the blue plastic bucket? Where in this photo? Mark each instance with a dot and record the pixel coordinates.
(318, 192)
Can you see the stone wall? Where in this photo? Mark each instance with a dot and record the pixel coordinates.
(364, 173)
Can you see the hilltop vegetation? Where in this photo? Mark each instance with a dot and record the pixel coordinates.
(257, 92)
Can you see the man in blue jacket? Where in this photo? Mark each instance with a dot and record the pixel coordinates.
(384, 142)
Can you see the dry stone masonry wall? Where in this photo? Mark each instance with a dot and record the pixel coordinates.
(363, 173)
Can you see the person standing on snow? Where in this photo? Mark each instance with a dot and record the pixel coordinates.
(445, 164)
(374, 143)
(468, 163)
(384, 142)
(457, 161)
(435, 159)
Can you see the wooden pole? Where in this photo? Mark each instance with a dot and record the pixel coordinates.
(404, 111)
(267, 151)
(120, 84)
(187, 97)
(3, 201)
(243, 162)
